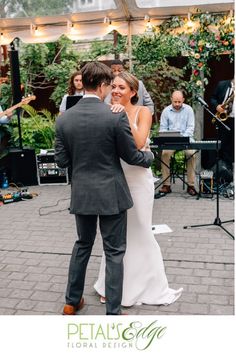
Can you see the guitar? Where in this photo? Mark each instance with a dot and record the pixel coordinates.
(25, 100)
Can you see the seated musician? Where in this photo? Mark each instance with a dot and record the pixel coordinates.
(178, 116)
(222, 101)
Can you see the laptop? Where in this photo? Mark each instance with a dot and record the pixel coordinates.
(170, 137)
(168, 133)
(72, 100)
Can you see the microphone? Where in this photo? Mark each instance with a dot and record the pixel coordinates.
(201, 100)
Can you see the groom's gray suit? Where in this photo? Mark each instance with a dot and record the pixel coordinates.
(91, 139)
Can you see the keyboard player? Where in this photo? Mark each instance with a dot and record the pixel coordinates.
(178, 116)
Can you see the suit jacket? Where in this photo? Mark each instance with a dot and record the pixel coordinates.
(219, 93)
(91, 139)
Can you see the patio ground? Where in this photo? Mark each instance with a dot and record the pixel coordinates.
(35, 252)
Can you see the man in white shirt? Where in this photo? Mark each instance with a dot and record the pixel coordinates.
(178, 116)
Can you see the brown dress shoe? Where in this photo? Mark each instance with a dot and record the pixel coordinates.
(165, 189)
(71, 310)
(191, 191)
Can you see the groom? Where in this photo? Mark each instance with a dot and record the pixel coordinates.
(91, 139)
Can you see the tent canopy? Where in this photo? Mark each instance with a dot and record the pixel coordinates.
(90, 19)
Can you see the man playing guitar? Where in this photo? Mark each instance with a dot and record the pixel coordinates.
(5, 116)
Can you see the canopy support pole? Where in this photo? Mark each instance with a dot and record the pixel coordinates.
(130, 46)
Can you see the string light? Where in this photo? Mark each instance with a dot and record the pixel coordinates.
(106, 20)
(110, 26)
(229, 18)
(71, 28)
(148, 23)
(190, 23)
(34, 30)
(3, 39)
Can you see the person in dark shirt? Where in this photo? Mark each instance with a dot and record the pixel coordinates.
(222, 100)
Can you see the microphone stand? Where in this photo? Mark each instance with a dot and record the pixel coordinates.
(19, 129)
(217, 220)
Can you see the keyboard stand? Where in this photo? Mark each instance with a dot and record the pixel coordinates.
(173, 174)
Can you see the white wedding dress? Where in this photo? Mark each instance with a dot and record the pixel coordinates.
(145, 280)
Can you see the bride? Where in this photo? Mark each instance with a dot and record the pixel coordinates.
(145, 280)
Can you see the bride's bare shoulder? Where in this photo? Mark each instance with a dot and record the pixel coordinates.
(143, 110)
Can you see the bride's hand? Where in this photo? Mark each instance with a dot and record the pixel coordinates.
(117, 108)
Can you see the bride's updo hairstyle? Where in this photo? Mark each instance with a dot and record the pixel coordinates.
(133, 84)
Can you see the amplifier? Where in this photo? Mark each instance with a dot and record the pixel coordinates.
(48, 171)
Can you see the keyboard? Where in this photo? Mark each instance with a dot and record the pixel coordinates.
(196, 145)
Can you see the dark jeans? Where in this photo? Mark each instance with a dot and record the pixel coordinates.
(227, 142)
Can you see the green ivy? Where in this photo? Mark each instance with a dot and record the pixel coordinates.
(160, 79)
(213, 36)
(59, 74)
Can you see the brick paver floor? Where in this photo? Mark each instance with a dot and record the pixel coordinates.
(35, 251)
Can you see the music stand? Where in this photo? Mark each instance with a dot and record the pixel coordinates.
(217, 221)
(72, 100)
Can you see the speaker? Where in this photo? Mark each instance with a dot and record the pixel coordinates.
(15, 76)
(21, 167)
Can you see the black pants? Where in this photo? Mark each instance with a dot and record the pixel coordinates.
(227, 142)
(113, 231)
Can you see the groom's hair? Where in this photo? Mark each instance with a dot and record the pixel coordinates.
(94, 74)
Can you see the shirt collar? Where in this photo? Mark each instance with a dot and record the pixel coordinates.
(79, 93)
(89, 95)
(174, 110)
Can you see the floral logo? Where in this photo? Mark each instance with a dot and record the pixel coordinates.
(113, 335)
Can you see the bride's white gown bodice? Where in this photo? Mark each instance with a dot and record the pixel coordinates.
(144, 274)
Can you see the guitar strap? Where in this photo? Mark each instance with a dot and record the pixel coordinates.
(227, 94)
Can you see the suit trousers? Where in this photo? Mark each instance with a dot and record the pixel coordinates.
(113, 230)
(227, 141)
(165, 167)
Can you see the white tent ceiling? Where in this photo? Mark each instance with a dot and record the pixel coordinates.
(124, 15)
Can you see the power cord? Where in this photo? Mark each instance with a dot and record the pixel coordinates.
(225, 189)
(54, 205)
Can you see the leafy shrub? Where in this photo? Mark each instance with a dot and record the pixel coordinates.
(37, 129)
